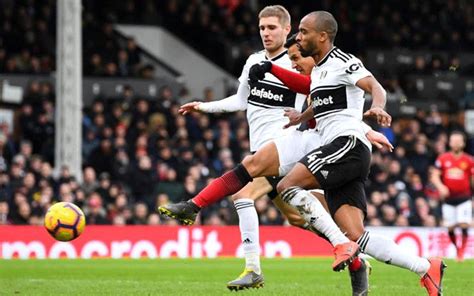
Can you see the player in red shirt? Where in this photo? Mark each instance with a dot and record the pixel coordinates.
(453, 178)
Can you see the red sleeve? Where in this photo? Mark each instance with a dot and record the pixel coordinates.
(296, 82)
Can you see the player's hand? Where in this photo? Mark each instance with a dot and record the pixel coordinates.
(434, 177)
(257, 71)
(379, 140)
(189, 107)
(383, 118)
(443, 192)
(294, 117)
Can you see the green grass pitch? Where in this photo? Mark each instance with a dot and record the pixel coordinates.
(300, 276)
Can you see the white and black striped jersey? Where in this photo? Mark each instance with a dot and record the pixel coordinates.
(337, 102)
(266, 100)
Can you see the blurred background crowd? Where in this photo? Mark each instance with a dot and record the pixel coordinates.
(139, 153)
(226, 31)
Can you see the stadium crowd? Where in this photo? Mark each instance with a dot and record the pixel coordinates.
(231, 33)
(27, 31)
(139, 153)
(27, 43)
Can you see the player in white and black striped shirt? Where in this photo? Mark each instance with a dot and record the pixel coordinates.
(341, 165)
(265, 101)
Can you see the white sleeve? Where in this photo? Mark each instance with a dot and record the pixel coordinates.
(366, 128)
(237, 102)
(354, 70)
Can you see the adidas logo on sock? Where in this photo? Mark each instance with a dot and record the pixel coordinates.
(247, 241)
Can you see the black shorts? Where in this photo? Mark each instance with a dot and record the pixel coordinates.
(454, 201)
(274, 182)
(341, 168)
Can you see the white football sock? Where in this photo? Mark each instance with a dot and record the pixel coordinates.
(314, 213)
(386, 250)
(307, 226)
(248, 225)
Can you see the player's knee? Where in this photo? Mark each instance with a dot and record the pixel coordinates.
(248, 194)
(236, 197)
(251, 164)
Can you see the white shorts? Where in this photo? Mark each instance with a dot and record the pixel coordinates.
(294, 146)
(461, 213)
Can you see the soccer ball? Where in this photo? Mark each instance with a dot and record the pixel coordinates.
(64, 221)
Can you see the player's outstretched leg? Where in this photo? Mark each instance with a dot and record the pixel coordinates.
(386, 250)
(263, 163)
(315, 214)
(185, 211)
(229, 183)
(359, 270)
(248, 279)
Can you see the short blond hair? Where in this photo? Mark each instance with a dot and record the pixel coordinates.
(278, 11)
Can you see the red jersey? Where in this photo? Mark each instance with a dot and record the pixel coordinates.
(456, 173)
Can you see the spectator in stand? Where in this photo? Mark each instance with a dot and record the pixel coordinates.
(94, 211)
(133, 54)
(111, 70)
(104, 187)
(4, 213)
(118, 208)
(123, 64)
(95, 66)
(423, 214)
(140, 214)
(154, 219)
(24, 211)
(102, 158)
(6, 153)
(141, 181)
(147, 72)
(90, 183)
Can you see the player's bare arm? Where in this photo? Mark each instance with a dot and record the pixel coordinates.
(372, 86)
(435, 179)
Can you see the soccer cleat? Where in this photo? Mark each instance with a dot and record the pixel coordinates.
(184, 211)
(247, 279)
(432, 280)
(344, 254)
(360, 279)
